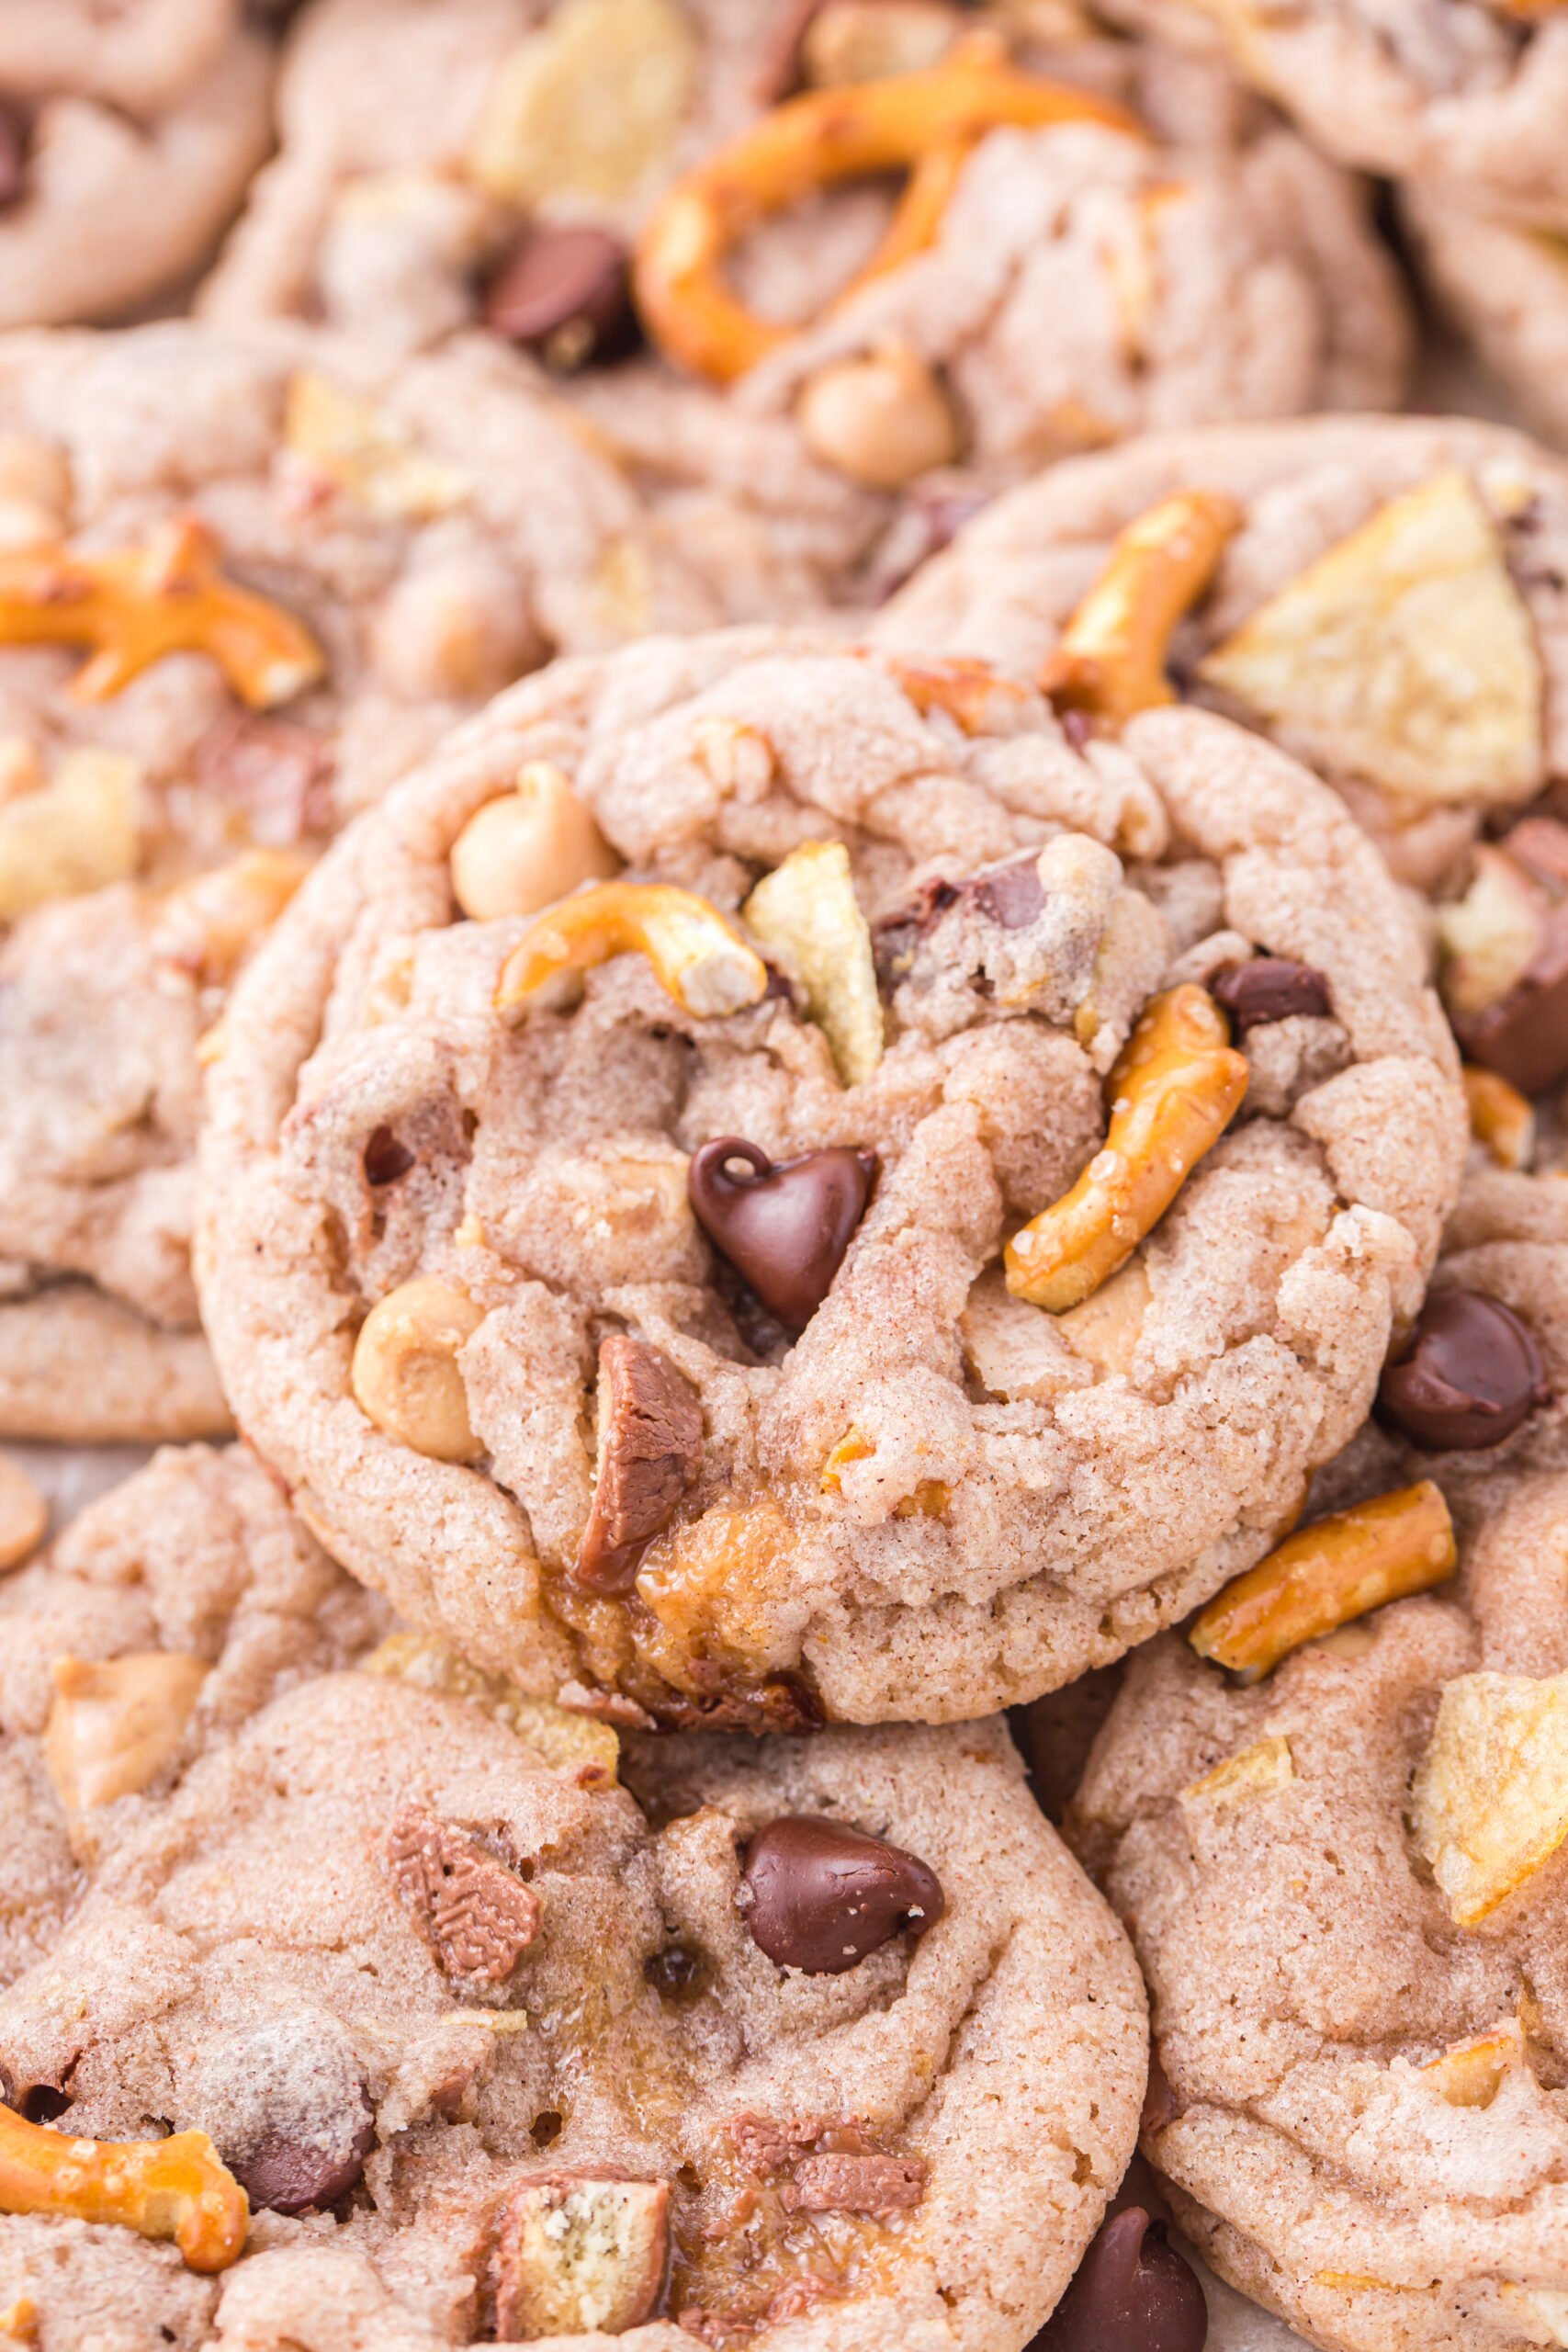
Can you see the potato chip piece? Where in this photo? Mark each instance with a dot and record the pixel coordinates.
(1404, 655)
(587, 107)
(369, 458)
(77, 832)
(1471, 2074)
(568, 1742)
(1543, 2310)
(1257, 1771)
(806, 910)
(1490, 1802)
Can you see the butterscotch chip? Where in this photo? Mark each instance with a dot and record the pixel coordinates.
(383, 1967)
(1382, 1842)
(729, 1155)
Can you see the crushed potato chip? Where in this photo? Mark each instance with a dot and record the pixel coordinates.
(80, 832)
(566, 1742)
(1256, 1771)
(1471, 2074)
(587, 107)
(1490, 1802)
(1404, 655)
(806, 910)
(368, 457)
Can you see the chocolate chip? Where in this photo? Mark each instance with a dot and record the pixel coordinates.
(386, 1158)
(290, 2177)
(1470, 1377)
(13, 155)
(677, 1975)
(1161, 2105)
(1132, 2293)
(819, 1895)
(1010, 895)
(784, 1227)
(1268, 988)
(1524, 1037)
(650, 1447)
(474, 1914)
(566, 293)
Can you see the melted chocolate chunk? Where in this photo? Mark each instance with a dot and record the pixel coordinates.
(819, 1895)
(784, 1227)
(291, 2177)
(1132, 2293)
(1010, 895)
(566, 293)
(651, 1448)
(1268, 988)
(1470, 1376)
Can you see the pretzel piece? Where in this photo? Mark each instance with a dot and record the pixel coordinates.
(698, 956)
(162, 2188)
(927, 122)
(1109, 660)
(138, 604)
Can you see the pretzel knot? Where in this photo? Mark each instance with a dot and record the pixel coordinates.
(925, 123)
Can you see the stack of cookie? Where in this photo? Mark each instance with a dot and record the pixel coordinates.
(785, 976)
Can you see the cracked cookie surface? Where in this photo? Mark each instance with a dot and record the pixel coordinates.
(925, 1482)
(627, 2117)
(127, 139)
(1347, 1894)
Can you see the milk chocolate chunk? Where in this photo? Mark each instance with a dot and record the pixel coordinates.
(819, 1895)
(786, 1226)
(1268, 988)
(299, 2177)
(1470, 1376)
(565, 293)
(651, 1448)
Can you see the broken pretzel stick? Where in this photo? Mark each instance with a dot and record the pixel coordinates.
(1109, 660)
(1174, 1091)
(1324, 1576)
(698, 956)
(163, 2189)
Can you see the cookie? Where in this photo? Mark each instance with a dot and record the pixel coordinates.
(1347, 1897)
(1468, 93)
(655, 1333)
(1343, 586)
(167, 1614)
(823, 2043)
(1504, 285)
(125, 143)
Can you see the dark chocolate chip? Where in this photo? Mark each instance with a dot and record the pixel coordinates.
(1268, 988)
(1470, 1377)
(1010, 895)
(1132, 2293)
(677, 1975)
(289, 2177)
(819, 1895)
(1524, 1037)
(650, 1447)
(386, 1158)
(13, 155)
(783, 1228)
(564, 292)
(44, 2103)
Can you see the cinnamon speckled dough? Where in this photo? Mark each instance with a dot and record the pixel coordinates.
(1021, 1501)
(1015, 574)
(1304, 1967)
(1471, 94)
(139, 126)
(1085, 285)
(438, 526)
(196, 1557)
(247, 1966)
(98, 1324)
(1504, 285)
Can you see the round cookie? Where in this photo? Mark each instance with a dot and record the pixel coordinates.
(167, 1614)
(845, 1458)
(1504, 285)
(821, 2043)
(1386, 597)
(1469, 94)
(1157, 250)
(1347, 1897)
(126, 142)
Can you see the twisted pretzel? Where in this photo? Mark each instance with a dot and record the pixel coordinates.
(926, 123)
